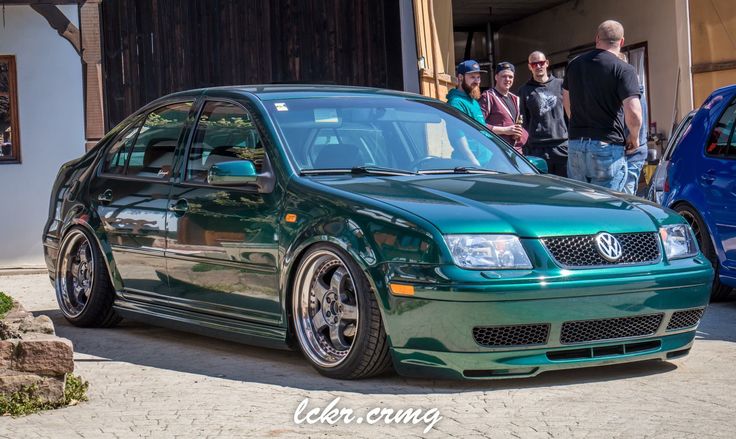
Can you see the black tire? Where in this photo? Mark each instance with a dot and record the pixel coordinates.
(719, 291)
(368, 352)
(83, 288)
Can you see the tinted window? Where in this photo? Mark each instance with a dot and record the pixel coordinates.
(225, 132)
(117, 155)
(398, 133)
(722, 142)
(682, 129)
(153, 152)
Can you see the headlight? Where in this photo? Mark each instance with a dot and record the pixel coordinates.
(487, 251)
(678, 241)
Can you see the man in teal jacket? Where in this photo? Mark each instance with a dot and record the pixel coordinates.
(465, 98)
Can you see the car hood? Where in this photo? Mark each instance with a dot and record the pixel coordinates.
(525, 205)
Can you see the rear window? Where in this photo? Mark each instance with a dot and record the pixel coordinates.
(680, 132)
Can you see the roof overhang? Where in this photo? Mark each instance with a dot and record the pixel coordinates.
(474, 15)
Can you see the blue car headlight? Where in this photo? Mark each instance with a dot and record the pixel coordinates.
(487, 252)
(678, 241)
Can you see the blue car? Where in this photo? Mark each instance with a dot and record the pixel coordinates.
(697, 178)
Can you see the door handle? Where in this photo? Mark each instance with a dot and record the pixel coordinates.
(708, 177)
(105, 197)
(179, 207)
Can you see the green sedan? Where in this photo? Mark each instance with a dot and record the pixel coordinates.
(369, 229)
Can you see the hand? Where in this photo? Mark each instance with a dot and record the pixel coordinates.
(632, 143)
(512, 130)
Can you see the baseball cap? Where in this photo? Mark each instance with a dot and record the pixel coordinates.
(468, 66)
(505, 66)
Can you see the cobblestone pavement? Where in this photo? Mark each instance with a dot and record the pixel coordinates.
(152, 382)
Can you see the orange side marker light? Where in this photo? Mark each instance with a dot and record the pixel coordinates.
(290, 218)
(402, 289)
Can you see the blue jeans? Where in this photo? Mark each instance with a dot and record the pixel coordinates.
(634, 164)
(596, 162)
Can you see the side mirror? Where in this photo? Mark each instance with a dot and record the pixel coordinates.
(539, 163)
(234, 173)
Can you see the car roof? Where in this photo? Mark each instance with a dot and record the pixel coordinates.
(269, 92)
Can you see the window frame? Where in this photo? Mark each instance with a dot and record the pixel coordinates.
(183, 167)
(15, 154)
(141, 118)
(732, 133)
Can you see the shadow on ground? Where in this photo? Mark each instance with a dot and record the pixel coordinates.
(145, 345)
(719, 321)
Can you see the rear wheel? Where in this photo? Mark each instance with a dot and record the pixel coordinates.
(719, 291)
(336, 316)
(83, 288)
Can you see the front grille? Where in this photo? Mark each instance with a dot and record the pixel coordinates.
(609, 329)
(580, 251)
(685, 319)
(514, 335)
(603, 351)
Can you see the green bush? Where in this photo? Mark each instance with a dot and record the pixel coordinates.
(25, 401)
(6, 303)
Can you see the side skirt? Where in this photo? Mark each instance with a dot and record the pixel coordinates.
(202, 324)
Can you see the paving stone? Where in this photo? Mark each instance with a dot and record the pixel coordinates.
(152, 382)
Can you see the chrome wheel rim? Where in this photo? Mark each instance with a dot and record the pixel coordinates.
(325, 308)
(75, 274)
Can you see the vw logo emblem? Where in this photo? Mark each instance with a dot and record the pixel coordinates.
(608, 247)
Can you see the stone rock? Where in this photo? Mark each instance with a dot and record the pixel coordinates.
(49, 389)
(45, 357)
(7, 352)
(8, 330)
(40, 324)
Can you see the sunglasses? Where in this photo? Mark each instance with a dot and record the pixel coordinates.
(538, 63)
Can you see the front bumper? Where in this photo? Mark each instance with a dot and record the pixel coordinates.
(432, 335)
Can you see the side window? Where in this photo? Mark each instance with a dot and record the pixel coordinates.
(722, 142)
(117, 155)
(152, 154)
(225, 132)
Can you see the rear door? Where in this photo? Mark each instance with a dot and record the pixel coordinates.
(717, 178)
(130, 195)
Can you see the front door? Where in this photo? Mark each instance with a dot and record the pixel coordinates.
(222, 241)
(717, 178)
(131, 195)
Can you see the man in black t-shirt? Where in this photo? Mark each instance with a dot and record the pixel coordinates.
(597, 85)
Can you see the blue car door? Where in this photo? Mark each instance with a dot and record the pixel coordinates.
(717, 178)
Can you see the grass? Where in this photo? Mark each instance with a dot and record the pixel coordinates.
(25, 401)
(6, 303)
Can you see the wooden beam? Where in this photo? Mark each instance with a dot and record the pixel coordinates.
(60, 23)
(41, 2)
(713, 67)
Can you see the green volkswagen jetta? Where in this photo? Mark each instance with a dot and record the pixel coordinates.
(370, 229)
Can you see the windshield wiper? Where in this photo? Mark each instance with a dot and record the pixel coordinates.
(460, 170)
(357, 170)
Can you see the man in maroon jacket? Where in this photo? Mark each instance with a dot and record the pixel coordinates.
(501, 108)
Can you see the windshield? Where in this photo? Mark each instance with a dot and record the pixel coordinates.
(389, 133)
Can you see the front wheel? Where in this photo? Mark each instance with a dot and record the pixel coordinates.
(336, 316)
(719, 291)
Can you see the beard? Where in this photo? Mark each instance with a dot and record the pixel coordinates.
(473, 90)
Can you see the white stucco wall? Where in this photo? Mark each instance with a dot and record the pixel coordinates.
(661, 23)
(50, 101)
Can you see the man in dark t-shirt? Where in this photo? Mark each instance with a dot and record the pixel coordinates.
(597, 85)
